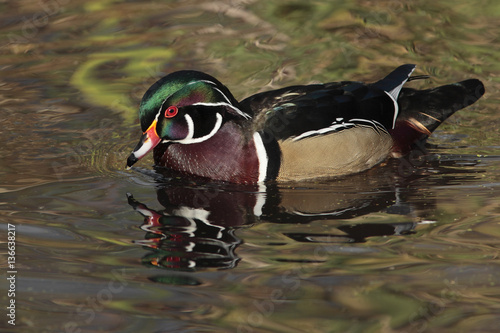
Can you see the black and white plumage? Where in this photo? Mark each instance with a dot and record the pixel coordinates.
(324, 108)
(293, 133)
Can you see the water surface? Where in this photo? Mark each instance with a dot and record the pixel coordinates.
(410, 246)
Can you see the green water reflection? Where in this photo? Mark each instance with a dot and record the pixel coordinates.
(411, 246)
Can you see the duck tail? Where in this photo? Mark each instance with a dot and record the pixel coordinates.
(422, 111)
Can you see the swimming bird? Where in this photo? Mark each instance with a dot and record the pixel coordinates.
(196, 127)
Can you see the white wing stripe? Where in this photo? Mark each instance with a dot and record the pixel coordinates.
(345, 125)
(332, 128)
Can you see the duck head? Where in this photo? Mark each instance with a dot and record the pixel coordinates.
(184, 107)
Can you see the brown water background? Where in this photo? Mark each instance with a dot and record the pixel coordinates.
(411, 246)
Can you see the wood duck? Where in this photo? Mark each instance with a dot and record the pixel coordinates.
(196, 127)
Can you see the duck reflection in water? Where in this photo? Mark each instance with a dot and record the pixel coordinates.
(186, 235)
(196, 229)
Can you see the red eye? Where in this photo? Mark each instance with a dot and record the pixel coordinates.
(171, 111)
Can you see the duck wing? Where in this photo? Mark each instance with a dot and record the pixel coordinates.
(298, 112)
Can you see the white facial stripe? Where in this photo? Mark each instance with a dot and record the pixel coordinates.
(238, 111)
(206, 81)
(161, 106)
(189, 139)
(261, 156)
(241, 113)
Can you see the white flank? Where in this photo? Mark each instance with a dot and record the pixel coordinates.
(260, 149)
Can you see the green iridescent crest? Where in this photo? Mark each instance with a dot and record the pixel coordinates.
(180, 89)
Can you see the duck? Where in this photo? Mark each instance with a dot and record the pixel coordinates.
(196, 127)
